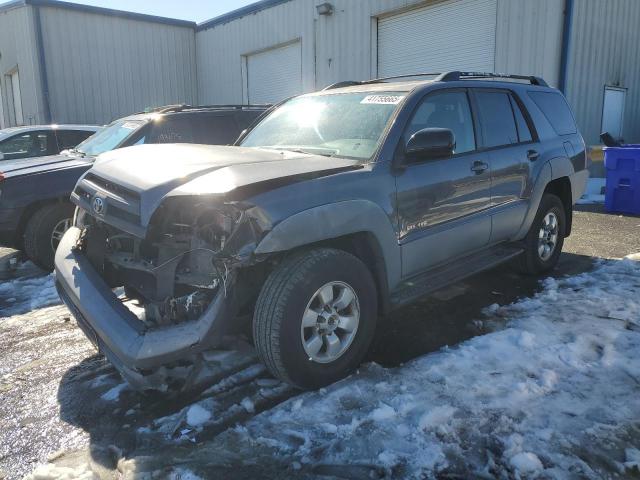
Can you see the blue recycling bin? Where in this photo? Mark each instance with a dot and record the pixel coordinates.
(622, 191)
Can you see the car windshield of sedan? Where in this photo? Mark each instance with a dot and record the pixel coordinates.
(109, 138)
(342, 125)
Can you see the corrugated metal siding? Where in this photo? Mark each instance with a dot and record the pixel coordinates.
(274, 74)
(342, 46)
(428, 39)
(604, 50)
(529, 38)
(222, 49)
(18, 48)
(100, 67)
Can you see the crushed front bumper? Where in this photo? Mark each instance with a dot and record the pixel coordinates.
(135, 350)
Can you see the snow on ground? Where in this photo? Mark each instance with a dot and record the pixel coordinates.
(25, 294)
(552, 392)
(594, 192)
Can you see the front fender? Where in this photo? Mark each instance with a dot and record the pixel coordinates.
(337, 220)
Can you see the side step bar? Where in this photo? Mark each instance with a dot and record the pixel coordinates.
(452, 272)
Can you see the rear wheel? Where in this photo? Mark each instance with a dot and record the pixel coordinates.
(543, 243)
(43, 233)
(315, 317)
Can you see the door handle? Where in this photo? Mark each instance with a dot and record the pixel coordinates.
(532, 155)
(479, 167)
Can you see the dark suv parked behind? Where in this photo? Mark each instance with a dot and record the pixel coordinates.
(336, 208)
(34, 208)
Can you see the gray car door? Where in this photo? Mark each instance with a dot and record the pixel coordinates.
(510, 142)
(441, 203)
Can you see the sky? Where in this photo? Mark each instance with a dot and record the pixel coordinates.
(194, 10)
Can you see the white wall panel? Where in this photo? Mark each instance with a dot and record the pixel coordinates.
(604, 50)
(342, 46)
(274, 74)
(102, 67)
(451, 35)
(18, 49)
(529, 37)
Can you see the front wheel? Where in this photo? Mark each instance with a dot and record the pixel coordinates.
(43, 233)
(315, 317)
(544, 241)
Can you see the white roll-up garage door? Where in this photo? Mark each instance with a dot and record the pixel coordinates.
(450, 35)
(275, 74)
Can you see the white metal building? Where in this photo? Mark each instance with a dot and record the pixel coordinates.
(72, 63)
(277, 48)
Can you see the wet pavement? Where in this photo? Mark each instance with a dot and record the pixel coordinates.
(59, 401)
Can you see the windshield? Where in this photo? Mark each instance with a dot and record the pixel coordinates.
(343, 124)
(109, 138)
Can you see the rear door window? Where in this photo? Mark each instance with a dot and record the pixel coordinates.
(496, 117)
(524, 133)
(555, 109)
(246, 118)
(71, 138)
(171, 129)
(216, 129)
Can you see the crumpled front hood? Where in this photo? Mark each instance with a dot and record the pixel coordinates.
(27, 166)
(156, 171)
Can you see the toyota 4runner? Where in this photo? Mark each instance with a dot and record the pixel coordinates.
(336, 208)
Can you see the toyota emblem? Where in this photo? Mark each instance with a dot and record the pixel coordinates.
(98, 205)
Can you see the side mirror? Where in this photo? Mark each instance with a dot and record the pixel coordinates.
(430, 143)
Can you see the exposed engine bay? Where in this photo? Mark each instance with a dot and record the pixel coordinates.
(189, 255)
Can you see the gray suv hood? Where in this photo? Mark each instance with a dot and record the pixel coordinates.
(153, 172)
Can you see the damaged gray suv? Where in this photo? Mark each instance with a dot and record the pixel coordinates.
(336, 208)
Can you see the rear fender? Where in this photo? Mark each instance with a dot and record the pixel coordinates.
(555, 168)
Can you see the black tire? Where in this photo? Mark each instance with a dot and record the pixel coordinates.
(531, 262)
(38, 232)
(282, 302)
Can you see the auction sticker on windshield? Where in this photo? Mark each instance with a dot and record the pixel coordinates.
(383, 99)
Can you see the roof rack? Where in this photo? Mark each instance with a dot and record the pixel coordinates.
(444, 77)
(185, 107)
(351, 83)
(455, 75)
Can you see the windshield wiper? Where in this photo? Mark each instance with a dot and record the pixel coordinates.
(324, 152)
(77, 152)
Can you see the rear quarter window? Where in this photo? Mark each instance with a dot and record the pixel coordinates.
(555, 109)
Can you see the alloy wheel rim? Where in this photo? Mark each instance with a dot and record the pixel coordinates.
(58, 232)
(548, 236)
(330, 322)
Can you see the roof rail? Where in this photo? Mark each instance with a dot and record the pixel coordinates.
(185, 107)
(346, 83)
(351, 83)
(382, 79)
(443, 77)
(455, 75)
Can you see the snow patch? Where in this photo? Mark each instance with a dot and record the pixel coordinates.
(436, 417)
(53, 472)
(197, 415)
(385, 412)
(25, 294)
(114, 393)
(593, 192)
(526, 462)
(557, 381)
